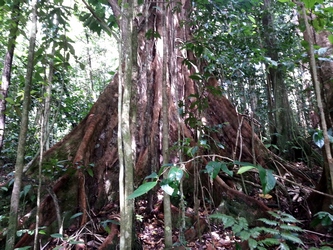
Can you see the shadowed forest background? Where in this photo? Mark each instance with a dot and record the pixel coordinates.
(166, 124)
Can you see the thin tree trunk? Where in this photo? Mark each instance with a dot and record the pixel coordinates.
(47, 100)
(7, 68)
(125, 147)
(313, 66)
(165, 132)
(90, 75)
(14, 205)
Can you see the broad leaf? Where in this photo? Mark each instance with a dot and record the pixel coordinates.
(318, 138)
(309, 3)
(76, 215)
(267, 179)
(172, 191)
(245, 169)
(214, 167)
(330, 38)
(142, 189)
(175, 174)
(152, 176)
(57, 236)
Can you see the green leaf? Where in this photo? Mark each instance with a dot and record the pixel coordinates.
(164, 166)
(214, 167)
(318, 138)
(268, 222)
(309, 3)
(74, 242)
(252, 243)
(75, 215)
(196, 77)
(175, 174)
(26, 189)
(10, 100)
(172, 191)
(58, 248)
(270, 241)
(228, 221)
(251, 19)
(142, 189)
(291, 237)
(244, 169)
(284, 246)
(42, 232)
(244, 235)
(267, 179)
(291, 228)
(90, 172)
(57, 236)
(152, 176)
(241, 163)
(192, 151)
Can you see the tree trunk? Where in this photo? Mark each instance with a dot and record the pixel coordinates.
(7, 68)
(126, 123)
(94, 140)
(14, 203)
(282, 122)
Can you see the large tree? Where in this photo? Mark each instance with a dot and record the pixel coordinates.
(90, 182)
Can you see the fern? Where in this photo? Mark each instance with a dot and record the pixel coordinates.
(291, 237)
(284, 246)
(291, 228)
(286, 218)
(245, 235)
(228, 221)
(269, 222)
(280, 232)
(252, 243)
(269, 230)
(270, 242)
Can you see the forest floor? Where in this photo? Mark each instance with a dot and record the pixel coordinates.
(200, 234)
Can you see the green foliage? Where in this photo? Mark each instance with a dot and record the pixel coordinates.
(318, 137)
(279, 231)
(72, 94)
(101, 11)
(170, 185)
(267, 179)
(213, 168)
(142, 189)
(72, 240)
(323, 218)
(54, 168)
